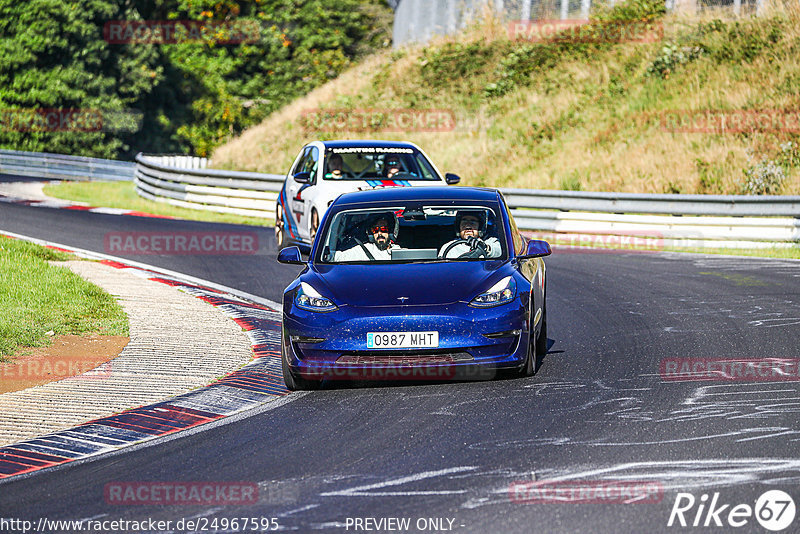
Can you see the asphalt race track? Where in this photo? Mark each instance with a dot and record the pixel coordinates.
(598, 409)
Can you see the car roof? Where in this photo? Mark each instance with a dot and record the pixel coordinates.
(367, 143)
(427, 194)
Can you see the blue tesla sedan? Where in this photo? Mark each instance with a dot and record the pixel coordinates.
(429, 283)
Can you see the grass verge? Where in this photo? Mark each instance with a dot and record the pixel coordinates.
(37, 298)
(123, 195)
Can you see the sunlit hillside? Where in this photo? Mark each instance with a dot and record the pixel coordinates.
(591, 115)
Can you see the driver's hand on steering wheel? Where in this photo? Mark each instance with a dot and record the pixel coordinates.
(475, 243)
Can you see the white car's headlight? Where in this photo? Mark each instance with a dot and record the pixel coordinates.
(502, 292)
(308, 298)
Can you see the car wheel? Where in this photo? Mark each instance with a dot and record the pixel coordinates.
(541, 341)
(529, 369)
(280, 231)
(314, 224)
(296, 382)
(536, 349)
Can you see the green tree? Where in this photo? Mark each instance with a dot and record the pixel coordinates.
(299, 45)
(190, 95)
(52, 57)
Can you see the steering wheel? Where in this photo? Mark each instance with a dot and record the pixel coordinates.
(452, 245)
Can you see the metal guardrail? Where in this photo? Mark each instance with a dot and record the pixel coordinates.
(719, 221)
(62, 167)
(691, 220)
(183, 181)
(685, 220)
(418, 21)
(676, 231)
(731, 205)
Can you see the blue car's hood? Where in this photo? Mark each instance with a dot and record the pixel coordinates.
(422, 283)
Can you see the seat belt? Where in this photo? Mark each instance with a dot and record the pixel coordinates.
(366, 251)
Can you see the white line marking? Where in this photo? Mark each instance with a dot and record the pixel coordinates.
(364, 490)
(296, 510)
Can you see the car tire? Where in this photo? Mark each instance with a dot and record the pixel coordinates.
(280, 231)
(312, 231)
(296, 382)
(529, 369)
(536, 349)
(541, 341)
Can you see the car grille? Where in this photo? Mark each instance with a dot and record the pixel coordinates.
(403, 358)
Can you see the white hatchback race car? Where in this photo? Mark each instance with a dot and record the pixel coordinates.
(325, 169)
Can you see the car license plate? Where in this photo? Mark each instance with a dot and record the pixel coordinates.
(402, 340)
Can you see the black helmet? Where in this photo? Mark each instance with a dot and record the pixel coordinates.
(478, 214)
(390, 218)
(391, 160)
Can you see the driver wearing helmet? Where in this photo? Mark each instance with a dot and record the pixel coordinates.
(392, 166)
(335, 165)
(381, 233)
(470, 228)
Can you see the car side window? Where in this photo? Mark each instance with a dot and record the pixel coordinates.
(300, 163)
(519, 242)
(310, 162)
(425, 168)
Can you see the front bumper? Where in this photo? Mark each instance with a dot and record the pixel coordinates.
(474, 343)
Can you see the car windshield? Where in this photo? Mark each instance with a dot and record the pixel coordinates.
(378, 164)
(413, 233)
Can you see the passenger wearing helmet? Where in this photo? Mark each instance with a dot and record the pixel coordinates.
(381, 233)
(470, 228)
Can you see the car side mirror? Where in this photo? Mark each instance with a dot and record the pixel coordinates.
(290, 255)
(451, 179)
(302, 177)
(536, 249)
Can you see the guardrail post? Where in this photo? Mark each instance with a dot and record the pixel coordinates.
(526, 10)
(585, 6)
(451, 16)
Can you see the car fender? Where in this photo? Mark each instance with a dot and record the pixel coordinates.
(289, 222)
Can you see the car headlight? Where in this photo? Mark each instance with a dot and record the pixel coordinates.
(502, 292)
(307, 298)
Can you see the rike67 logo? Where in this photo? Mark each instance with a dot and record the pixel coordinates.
(774, 510)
